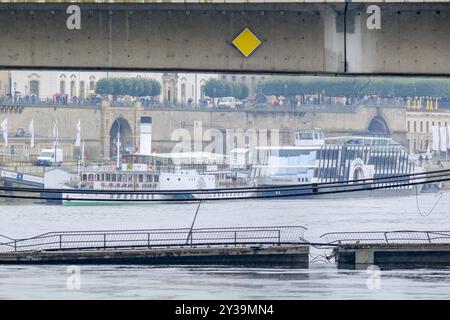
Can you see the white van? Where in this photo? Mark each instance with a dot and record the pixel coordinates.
(47, 157)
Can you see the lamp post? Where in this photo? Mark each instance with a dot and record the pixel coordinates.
(56, 137)
(118, 145)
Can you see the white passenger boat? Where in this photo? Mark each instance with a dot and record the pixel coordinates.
(138, 176)
(316, 159)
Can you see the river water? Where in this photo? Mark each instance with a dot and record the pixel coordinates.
(321, 281)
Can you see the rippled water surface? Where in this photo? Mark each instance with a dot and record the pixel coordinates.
(320, 281)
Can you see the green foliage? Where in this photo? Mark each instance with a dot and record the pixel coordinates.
(155, 88)
(356, 87)
(104, 86)
(215, 88)
(129, 86)
(242, 92)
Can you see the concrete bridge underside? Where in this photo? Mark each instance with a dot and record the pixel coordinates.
(324, 38)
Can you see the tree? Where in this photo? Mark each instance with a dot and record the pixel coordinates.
(356, 87)
(242, 91)
(148, 87)
(137, 87)
(117, 85)
(215, 88)
(156, 87)
(129, 86)
(104, 86)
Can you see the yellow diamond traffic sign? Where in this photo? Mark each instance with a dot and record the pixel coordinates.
(246, 42)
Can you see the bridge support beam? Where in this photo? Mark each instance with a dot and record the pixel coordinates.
(310, 38)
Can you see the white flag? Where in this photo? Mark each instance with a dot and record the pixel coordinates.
(435, 138)
(5, 130)
(32, 133)
(443, 137)
(78, 140)
(448, 137)
(55, 133)
(82, 152)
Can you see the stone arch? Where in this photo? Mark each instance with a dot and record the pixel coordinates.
(358, 173)
(183, 93)
(126, 137)
(378, 125)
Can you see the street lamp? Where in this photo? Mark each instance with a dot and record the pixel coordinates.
(118, 145)
(56, 137)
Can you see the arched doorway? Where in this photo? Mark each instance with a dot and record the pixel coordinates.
(378, 126)
(358, 173)
(126, 137)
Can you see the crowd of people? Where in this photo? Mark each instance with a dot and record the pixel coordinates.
(56, 99)
(293, 102)
(320, 99)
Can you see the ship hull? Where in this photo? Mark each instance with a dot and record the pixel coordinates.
(93, 199)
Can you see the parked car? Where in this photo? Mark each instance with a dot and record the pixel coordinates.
(226, 103)
(205, 103)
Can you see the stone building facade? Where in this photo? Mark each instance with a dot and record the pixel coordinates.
(177, 88)
(419, 124)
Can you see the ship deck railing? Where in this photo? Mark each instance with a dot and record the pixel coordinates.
(156, 238)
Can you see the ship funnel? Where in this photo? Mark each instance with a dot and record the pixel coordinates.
(145, 138)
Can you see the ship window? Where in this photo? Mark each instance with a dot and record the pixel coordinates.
(149, 178)
(130, 178)
(156, 178)
(179, 179)
(113, 177)
(168, 179)
(84, 177)
(91, 177)
(103, 177)
(97, 177)
(108, 177)
(305, 135)
(141, 178)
